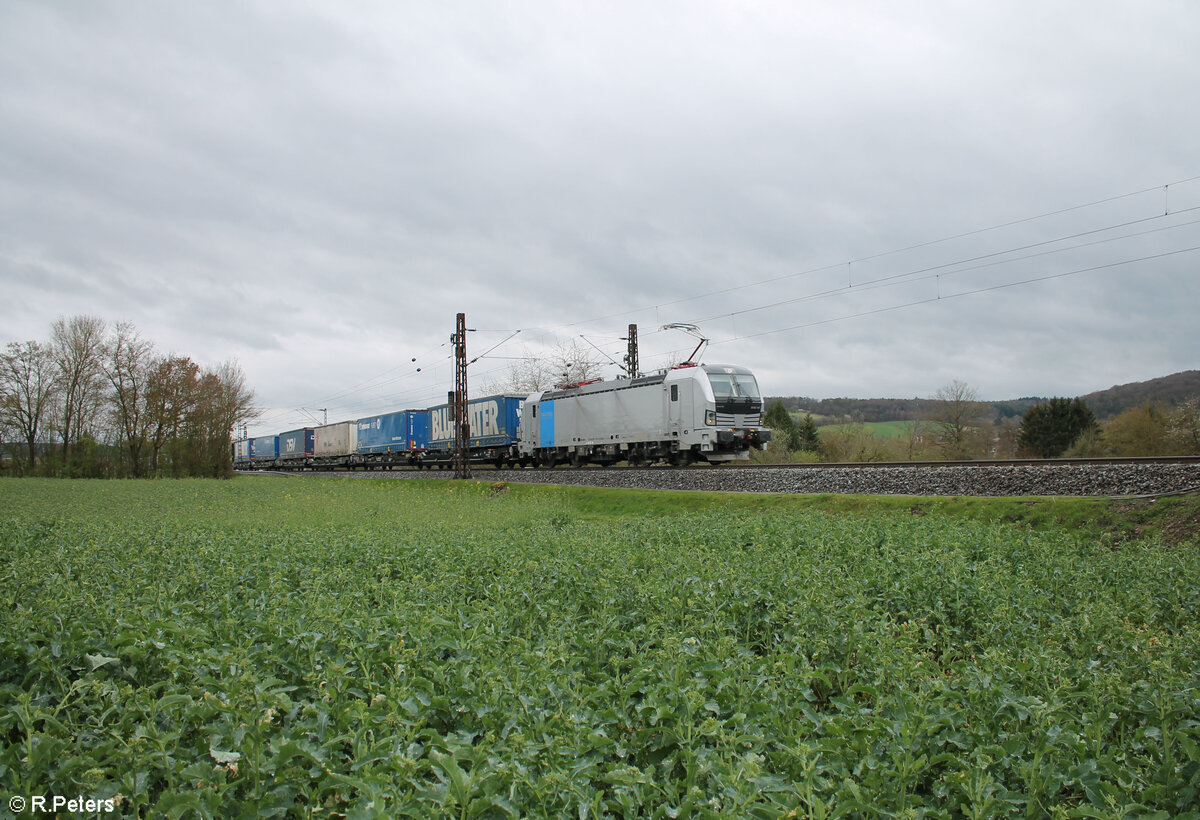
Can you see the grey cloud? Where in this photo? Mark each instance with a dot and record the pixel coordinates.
(261, 181)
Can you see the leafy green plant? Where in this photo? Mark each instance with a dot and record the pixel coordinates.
(375, 648)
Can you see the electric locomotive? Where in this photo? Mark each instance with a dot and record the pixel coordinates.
(688, 413)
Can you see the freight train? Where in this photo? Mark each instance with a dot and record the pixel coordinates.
(682, 415)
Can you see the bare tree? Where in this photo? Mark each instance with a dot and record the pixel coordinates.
(224, 400)
(954, 418)
(78, 349)
(26, 391)
(1183, 428)
(914, 442)
(171, 395)
(573, 363)
(119, 390)
(128, 366)
(526, 374)
(235, 400)
(569, 362)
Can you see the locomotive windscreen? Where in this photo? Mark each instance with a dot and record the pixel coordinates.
(735, 392)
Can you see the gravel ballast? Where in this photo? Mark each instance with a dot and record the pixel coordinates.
(950, 480)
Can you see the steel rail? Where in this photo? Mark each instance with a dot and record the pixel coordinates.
(1009, 462)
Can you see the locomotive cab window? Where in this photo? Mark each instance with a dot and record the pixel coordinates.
(735, 392)
(734, 386)
(722, 385)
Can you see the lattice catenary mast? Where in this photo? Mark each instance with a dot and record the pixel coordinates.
(462, 430)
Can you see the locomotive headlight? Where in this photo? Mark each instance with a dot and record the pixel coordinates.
(710, 417)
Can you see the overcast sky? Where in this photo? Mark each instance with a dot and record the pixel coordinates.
(316, 189)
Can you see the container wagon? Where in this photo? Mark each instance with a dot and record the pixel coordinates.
(495, 431)
(243, 453)
(335, 445)
(264, 450)
(296, 448)
(393, 439)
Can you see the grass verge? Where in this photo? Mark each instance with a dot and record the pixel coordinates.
(1173, 520)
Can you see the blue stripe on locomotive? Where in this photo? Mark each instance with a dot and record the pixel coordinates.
(546, 423)
(494, 421)
(296, 443)
(399, 432)
(264, 448)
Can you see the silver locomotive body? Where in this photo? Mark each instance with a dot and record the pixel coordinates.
(692, 412)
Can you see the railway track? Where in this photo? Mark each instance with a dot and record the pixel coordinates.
(1109, 477)
(1011, 462)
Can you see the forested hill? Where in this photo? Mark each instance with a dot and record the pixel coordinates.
(1168, 390)
(871, 410)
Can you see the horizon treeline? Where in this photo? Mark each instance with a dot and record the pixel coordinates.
(96, 400)
(1165, 392)
(954, 425)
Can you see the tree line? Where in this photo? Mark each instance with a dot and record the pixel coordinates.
(953, 424)
(96, 400)
(1166, 392)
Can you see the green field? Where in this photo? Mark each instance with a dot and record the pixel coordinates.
(306, 647)
(880, 429)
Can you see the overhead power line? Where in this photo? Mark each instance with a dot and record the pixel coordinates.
(915, 275)
(941, 298)
(895, 251)
(427, 394)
